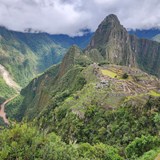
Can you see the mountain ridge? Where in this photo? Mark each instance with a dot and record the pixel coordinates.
(25, 55)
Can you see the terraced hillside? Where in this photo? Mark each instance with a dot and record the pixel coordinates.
(130, 83)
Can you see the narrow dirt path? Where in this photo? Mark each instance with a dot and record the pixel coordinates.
(2, 110)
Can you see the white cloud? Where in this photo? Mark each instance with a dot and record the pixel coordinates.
(69, 16)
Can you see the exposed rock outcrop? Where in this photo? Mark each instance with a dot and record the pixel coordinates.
(116, 46)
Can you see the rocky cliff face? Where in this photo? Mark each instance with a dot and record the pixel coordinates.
(114, 43)
(147, 54)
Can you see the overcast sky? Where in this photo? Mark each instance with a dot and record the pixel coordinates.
(70, 16)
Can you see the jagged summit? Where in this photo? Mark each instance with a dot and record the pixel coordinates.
(112, 41)
(112, 19)
(107, 26)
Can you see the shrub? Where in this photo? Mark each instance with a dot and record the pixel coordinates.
(125, 76)
(141, 145)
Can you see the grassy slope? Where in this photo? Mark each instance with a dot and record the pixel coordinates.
(26, 55)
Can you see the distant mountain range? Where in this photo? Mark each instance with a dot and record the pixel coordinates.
(145, 33)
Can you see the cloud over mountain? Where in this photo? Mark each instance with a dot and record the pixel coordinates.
(70, 16)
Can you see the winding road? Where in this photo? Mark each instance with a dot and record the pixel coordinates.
(2, 110)
(11, 83)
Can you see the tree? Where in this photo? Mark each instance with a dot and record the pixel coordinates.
(125, 76)
(141, 145)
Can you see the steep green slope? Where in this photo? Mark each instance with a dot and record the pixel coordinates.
(8, 87)
(58, 81)
(27, 142)
(147, 55)
(47, 51)
(25, 55)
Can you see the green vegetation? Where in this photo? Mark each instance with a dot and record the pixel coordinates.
(26, 142)
(13, 111)
(141, 145)
(96, 133)
(5, 91)
(66, 102)
(125, 76)
(154, 93)
(25, 55)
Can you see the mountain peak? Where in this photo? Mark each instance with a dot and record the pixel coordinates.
(112, 18)
(112, 41)
(69, 59)
(109, 27)
(111, 21)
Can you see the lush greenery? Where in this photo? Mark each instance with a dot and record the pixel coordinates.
(5, 90)
(128, 132)
(65, 101)
(26, 142)
(14, 111)
(25, 55)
